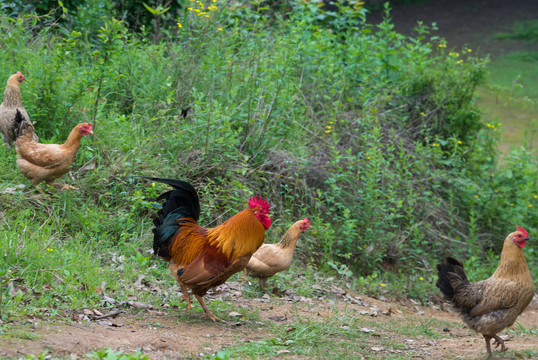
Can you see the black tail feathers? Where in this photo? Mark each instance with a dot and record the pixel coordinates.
(20, 125)
(448, 270)
(184, 196)
(182, 202)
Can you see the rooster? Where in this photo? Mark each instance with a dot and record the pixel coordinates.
(46, 162)
(201, 258)
(270, 259)
(12, 102)
(491, 305)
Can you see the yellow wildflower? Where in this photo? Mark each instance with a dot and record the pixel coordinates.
(179, 25)
(511, 204)
(421, 114)
(220, 29)
(152, 184)
(530, 205)
(381, 284)
(190, 9)
(459, 141)
(49, 249)
(435, 144)
(469, 50)
(442, 45)
(535, 196)
(421, 278)
(476, 196)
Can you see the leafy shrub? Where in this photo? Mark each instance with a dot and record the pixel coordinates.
(373, 135)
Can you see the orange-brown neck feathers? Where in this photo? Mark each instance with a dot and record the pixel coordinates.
(238, 236)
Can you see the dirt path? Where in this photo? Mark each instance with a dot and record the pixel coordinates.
(175, 334)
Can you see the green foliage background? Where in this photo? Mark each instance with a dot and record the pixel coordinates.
(372, 135)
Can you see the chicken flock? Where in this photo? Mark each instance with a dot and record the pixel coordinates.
(202, 258)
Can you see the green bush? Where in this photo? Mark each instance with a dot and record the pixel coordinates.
(373, 135)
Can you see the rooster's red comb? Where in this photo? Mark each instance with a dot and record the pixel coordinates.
(256, 201)
(520, 229)
(306, 222)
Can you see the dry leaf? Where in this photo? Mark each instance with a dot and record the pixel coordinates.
(283, 351)
(140, 305)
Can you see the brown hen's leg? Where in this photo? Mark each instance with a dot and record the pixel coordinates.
(207, 312)
(499, 341)
(488, 346)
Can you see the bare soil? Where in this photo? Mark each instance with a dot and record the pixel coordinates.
(175, 334)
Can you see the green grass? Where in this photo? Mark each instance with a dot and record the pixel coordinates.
(511, 94)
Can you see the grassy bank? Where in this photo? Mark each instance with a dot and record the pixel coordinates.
(374, 136)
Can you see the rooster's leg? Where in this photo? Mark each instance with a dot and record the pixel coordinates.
(186, 295)
(207, 312)
(488, 346)
(499, 341)
(184, 292)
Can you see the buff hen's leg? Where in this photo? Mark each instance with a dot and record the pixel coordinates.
(207, 312)
(263, 283)
(61, 187)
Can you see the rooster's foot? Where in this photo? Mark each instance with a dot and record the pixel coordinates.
(213, 317)
(207, 312)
